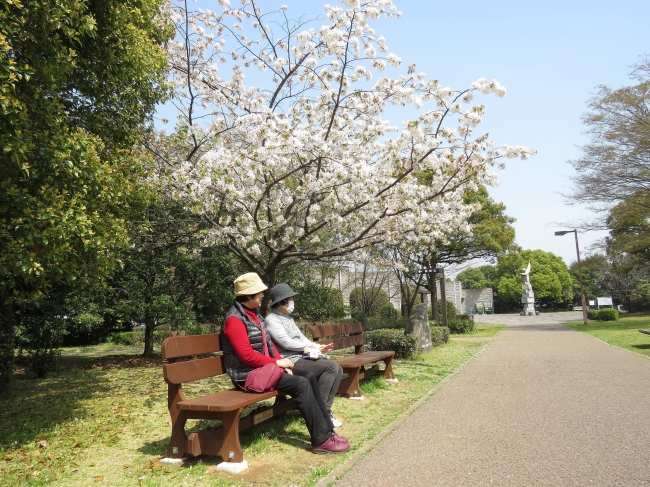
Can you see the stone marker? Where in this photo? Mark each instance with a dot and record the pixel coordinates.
(418, 325)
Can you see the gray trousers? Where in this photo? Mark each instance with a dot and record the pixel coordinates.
(328, 374)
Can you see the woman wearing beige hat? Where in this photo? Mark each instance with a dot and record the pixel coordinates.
(247, 345)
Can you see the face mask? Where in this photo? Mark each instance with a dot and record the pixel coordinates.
(289, 307)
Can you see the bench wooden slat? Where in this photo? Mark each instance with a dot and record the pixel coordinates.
(320, 331)
(180, 372)
(355, 366)
(224, 400)
(175, 347)
(345, 342)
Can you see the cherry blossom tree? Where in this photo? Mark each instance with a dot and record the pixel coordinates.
(300, 165)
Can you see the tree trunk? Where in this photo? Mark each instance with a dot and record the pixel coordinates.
(269, 277)
(148, 336)
(434, 295)
(6, 346)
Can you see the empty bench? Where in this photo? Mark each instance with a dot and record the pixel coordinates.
(182, 365)
(355, 366)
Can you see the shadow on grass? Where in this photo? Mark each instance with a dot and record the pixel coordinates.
(253, 440)
(37, 405)
(33, 406)
(645, 346)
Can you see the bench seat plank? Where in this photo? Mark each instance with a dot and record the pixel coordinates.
(364, 358)
(224, 400)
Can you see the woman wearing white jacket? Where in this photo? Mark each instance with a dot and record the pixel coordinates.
(291, 343)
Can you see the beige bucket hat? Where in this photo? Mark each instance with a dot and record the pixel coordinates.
(249, 283)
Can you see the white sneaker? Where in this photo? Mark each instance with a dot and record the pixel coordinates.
(335, 422)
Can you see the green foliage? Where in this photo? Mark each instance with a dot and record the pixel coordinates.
(388, 317)
(473, 278)
(391, 339)
(594, 267)
(452, 312)
(463, 323)
(167, 279)
(135, 337)
(608, 314)
(366, 302)
(439, 335)
(78, 79)
(39, 333)
(549, 276)
(318, 304)
(592, 314)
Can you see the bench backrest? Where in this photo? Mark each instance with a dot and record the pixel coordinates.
(179, 347)
(342, 336)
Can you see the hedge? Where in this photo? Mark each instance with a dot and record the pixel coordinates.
(592, 314)
(463, 323)
(608, 314)
(391, 339)
(439, 335)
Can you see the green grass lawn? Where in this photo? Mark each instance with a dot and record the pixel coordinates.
(103, 420)
(484, 331)
(623, 333)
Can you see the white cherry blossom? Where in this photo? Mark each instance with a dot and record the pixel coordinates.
(287, 155)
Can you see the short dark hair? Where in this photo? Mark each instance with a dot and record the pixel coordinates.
(245, 297)
(282, 302)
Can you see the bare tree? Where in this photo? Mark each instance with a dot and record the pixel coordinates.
(615, 164)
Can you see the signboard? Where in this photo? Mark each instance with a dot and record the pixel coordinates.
(605, 301)
(592, 302)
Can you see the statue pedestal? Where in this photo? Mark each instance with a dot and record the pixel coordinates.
(418, 325)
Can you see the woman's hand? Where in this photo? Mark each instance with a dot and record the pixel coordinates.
(326, 348)
(285, 363)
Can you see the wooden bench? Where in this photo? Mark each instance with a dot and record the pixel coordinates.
(351, 335)
(227, 406)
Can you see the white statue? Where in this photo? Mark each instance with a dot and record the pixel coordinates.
(527, 295)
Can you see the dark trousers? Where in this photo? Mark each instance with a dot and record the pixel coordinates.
(327, 373)
(304, 390)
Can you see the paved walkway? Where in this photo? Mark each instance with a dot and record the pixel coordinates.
(542, 405)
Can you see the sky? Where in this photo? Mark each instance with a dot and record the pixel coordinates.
(551, 56)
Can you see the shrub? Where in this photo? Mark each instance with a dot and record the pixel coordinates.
(368, 301)
(592, 314)
(452, 312)
(463, 323)
(439, 335)
(388, 318)
(608, 314)
(391, 339)
(39, 334)
(316, 303)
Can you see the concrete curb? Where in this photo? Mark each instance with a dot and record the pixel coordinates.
(332, 477)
